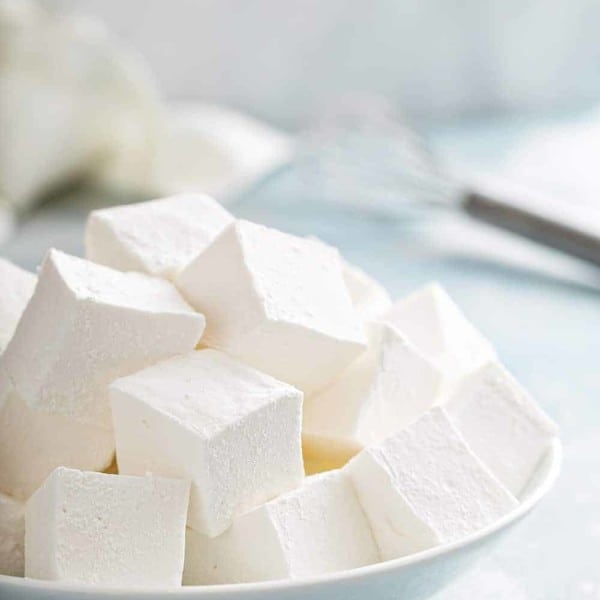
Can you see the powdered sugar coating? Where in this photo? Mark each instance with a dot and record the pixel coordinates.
(33, 443)
(17, 288)
(277, 302)
(318, 528)
(502, 424)
(158, 237)
(85, 326)
(423, 486)
(387, 387)
(231, 430)
(107, 529)
(437, 327)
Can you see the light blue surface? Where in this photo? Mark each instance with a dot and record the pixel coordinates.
(541, 311)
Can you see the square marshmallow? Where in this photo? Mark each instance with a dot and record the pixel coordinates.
(318, 528)
(233, 431)
(158, 237)
(85, 326)
(423, 486)
(33, 443)
(277, 302)
(17, 287)
(12, 536)
(436, 326)
(388, 386)
(502, 424)
(106, 529)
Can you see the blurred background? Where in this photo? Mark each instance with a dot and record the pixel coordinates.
(351, 121)
(284, 61)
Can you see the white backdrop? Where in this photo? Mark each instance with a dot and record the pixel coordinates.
(284, 60)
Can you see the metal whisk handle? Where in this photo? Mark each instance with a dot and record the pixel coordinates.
(532, 222)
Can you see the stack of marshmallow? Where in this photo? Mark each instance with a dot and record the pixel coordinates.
(207, 353)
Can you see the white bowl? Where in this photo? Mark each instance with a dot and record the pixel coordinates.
(409, 578)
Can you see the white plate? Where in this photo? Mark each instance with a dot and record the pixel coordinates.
(409, 578)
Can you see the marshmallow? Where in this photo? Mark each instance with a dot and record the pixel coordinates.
(12, 536)
(17, 287)
(33, 443)
(318, 528)
(158, 237)
(106, 529)
(502, 424)
(436, 326)
(369, 297)
(424, 486)
(276, 302)
(387, 387)
(233, 431)
(85, 326)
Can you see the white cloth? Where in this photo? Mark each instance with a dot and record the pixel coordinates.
(73, 103)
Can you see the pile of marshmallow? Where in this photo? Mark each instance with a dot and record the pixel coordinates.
(217, 359)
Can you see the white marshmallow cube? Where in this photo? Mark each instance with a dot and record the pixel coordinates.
(424, 486)
(502, 424)
(277, 302)
(158, 237)
(12, 536)
(16, 287)
(85, 326)
(106, 529)
(436, 326)
(33, 443)
(387, 387)
(233, 431)
(318, 528)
